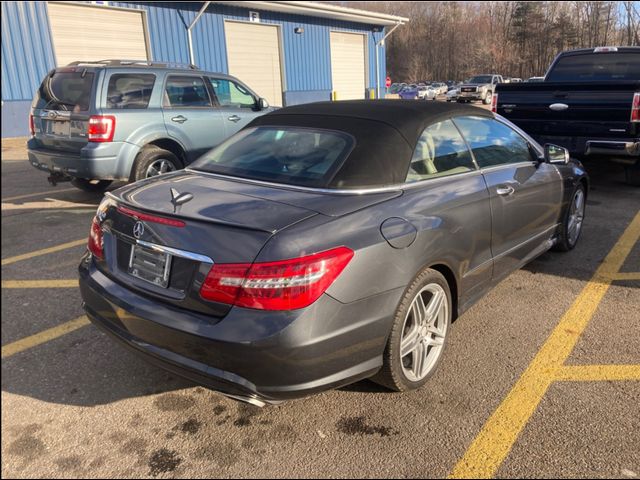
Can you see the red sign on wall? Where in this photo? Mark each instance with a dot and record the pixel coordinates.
(388, 82)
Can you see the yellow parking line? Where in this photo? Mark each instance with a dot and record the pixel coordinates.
(489, 449)
(43, 337)
(39, 194)
(44, 251)
(627, 276)
(595, 373)
(39, 283)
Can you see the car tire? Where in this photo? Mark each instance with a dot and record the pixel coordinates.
(571, 227)
(91, 186)
(428, 335)
(487, 98)
(154, 159)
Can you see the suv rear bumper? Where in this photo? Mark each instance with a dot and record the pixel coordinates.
(98, 161)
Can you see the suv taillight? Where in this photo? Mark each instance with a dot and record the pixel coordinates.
(101, 128)
(283, 285)
(494, 103)
(635, 108)
(32, 126)
(95, 244)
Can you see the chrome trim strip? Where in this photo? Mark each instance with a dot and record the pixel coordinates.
(176, 252)
(399, 187)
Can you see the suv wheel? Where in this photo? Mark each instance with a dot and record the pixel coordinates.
(152, 161)
(487, 98)
(91, 186)
(419, 333)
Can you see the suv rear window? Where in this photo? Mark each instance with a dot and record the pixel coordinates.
(295, 156)
(65, 91)
(596, 67)
(130, 91)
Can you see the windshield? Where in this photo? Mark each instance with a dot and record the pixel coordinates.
(481, 79)
(65, 91)
(395, 88)
(290, 155)
(596, 67)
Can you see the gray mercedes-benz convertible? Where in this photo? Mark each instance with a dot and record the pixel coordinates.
(326, 243)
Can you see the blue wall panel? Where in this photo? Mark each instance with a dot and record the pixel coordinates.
(27, 50)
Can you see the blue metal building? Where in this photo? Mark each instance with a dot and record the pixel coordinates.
(288, 51)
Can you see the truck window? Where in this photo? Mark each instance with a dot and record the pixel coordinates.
(596, 67)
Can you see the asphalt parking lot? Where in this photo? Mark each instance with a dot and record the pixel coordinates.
(540, 379)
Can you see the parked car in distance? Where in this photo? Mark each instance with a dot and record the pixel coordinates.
(534, 79)
(515, 80)
(480, 87)
(588, 103)
(96, 122)
(410, 92)
(439, 87)
(394, 90)
(452, 94)
(426, 92)
(326, 243)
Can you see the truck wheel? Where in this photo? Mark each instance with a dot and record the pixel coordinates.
(91, 186)
(632, 174)
(152, 161)
(487, 98)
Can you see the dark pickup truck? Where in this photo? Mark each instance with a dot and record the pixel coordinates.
(589, 103)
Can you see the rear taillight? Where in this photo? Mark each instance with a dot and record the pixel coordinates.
(95, 244)
(635, 108)
(494, 103)
(283, 285)
(101, 128)
(32, 126)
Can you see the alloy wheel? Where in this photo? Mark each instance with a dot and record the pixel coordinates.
(424, 331)
(576, 216)
(159, 167)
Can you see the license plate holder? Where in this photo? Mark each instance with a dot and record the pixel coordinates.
(150, 265)
(58, 128)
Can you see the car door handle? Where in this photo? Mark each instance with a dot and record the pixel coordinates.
(234, 118)
(179, 119)
(505, 191)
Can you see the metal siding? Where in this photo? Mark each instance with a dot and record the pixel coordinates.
(27, 50)
(27, 53)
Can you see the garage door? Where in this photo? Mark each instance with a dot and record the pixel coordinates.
(253, 54)
(96, 33)
(348, 65)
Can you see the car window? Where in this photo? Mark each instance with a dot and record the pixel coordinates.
(440, 151)
(291, 155)
(232, 94)
(65, 91)
(130, 91)
(492, 142)
(186, 91)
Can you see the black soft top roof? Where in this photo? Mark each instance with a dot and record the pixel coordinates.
(385, 133)
(409, 117)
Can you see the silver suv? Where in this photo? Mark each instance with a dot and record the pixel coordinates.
(96, 122)
(480, 87)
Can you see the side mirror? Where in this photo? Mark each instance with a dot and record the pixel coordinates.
(263, 104)
(555, 154)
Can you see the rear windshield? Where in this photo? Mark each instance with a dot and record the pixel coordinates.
(294, 156)
(66, 91)
(596, 67)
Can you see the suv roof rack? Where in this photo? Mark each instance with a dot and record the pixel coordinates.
(135, 63)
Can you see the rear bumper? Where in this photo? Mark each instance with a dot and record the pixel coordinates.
(269, 356)
(100, 161)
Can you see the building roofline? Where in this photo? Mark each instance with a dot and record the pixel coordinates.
(323, 10)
